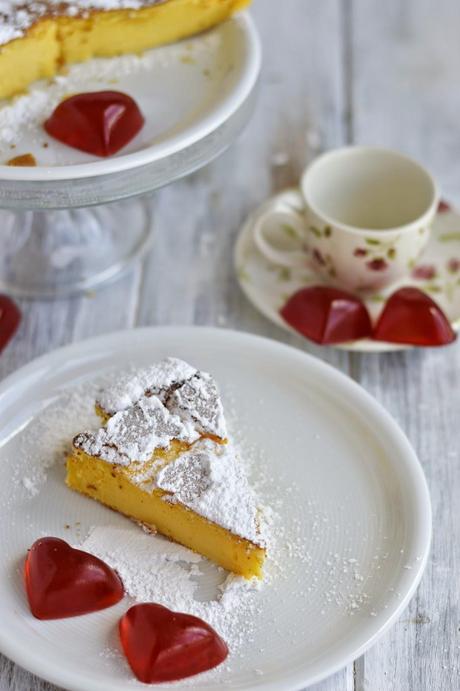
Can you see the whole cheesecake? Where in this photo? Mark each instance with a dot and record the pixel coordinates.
(40, 36)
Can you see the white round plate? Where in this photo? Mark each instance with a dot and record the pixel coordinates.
(269, 286)
(185, 90)
(344, 476)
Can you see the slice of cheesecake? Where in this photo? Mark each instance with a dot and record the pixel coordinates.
(39, 37)
(162, 467)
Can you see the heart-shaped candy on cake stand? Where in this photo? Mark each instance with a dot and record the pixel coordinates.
(100, 122)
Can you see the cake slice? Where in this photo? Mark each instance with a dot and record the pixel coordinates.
(39, 37)
(161, 466)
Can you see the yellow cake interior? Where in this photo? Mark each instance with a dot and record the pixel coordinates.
(59, 40)
(112, 485)
(27, 59)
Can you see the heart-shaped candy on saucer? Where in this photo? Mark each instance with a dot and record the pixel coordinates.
(413, 318)
(161, 645)
(65, 582)
(327, 315)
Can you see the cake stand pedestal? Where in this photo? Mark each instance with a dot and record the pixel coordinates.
(68, 229)
(63, 252)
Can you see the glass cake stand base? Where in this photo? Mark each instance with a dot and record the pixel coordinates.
(63, 252)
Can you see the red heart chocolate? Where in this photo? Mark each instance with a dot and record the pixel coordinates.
(10, 318)
(161, 645)
(327, 315)
(64, 582)
(411, 317)
(100, 122)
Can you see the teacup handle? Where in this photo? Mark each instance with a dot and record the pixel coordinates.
(294, 225)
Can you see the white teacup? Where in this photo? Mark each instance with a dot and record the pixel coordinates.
(367, 218)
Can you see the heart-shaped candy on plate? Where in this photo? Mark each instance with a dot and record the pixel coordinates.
(65, 582)
(161, 645)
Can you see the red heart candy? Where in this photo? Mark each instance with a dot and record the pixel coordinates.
(100, 122)
(327, 315)
(161, 645)
(10, 317)
(413, 318)
(64, 582)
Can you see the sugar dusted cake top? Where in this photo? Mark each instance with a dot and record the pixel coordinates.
(156, 380)
(134, 434)
(190, 394)
(210, 480)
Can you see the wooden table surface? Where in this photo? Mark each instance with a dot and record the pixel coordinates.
(335, 72)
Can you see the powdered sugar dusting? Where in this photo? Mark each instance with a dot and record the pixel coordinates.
(49, 436)
(152, 568)
(155, 570)
(186, 392)
(210, 480)
(157, 380)
(135, 433)
(197, 401)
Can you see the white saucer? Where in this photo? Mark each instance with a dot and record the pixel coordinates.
(186, 91)
(343, 477)
(269, 286)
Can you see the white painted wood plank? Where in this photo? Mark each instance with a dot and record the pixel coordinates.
(422, 391)
(406, 58)
(49, 324)
(342, 681)
(13, 678)
(406, 62)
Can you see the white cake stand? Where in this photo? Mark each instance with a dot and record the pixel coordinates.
(59, 234)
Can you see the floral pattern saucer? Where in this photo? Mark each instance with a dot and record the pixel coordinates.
(436, 272)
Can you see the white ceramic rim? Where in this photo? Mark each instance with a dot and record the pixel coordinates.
(424, 219)
(296, 680)
(164, 149)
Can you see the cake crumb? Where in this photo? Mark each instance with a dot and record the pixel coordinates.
(23, 160)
